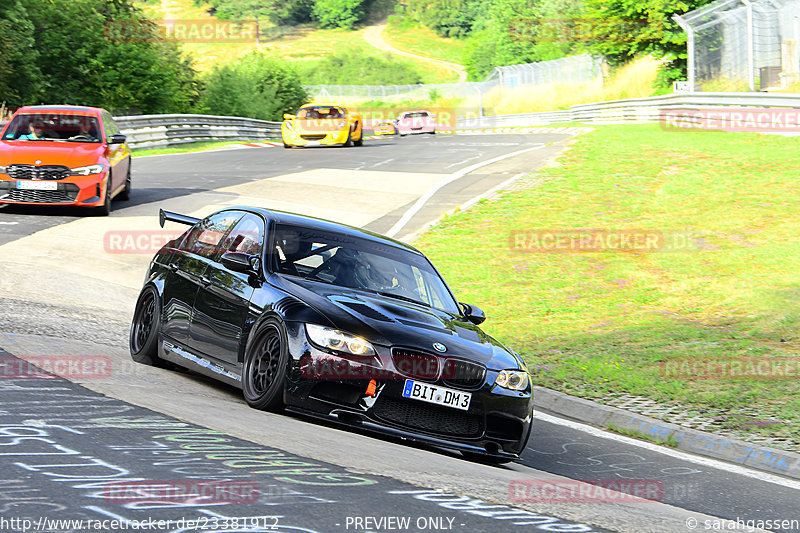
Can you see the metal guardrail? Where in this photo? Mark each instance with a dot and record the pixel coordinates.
(159, 131)
(649, 109)
(162, 131)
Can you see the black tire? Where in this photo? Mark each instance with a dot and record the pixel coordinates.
(143, 340)
(105, 209)
(265, 362)
(286, 146)
(126, 192)
(348, 142)
(360, 141)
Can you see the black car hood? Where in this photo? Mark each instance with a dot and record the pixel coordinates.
(389, 321)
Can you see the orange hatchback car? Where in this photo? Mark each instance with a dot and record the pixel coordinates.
(64, 155)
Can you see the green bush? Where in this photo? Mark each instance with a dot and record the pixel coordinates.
(448, 18)
(276, 11)
(258, 86)
(355, 67)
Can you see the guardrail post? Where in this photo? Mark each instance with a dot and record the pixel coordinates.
(751, 61)
(689, 49)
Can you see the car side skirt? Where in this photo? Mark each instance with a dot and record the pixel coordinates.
(173, 352)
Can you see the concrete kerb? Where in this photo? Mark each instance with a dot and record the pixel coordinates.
(719, 447)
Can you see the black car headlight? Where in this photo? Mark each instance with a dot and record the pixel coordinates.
(512, 379)
(334, 339)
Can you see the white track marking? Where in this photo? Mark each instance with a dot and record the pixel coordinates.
(383, 162)
(684, 456)
(414, 209)
(451, 165)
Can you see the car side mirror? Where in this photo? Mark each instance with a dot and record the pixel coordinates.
(239, 262)
(472, 313)
(117, 138)
(287, 116)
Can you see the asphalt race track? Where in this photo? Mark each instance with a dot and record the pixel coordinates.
(69, 287)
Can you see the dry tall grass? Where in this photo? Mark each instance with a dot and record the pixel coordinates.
(634, 80)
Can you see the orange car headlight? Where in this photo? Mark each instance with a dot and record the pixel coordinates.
(341, 124)
(86, 171)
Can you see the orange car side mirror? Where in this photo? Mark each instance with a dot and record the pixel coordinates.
(287, 116)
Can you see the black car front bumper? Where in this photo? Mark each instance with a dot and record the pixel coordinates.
(497, 423)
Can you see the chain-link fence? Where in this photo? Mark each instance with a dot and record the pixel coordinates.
(742, 45)
(575, 69)
(429, 91)
(568, 70)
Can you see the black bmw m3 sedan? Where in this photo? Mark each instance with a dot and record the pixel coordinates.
(331, 321)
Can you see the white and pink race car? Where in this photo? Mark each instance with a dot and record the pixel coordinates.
(416, 122)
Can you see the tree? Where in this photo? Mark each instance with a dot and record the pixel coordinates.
(20, 77)
(276, 11)
(622, 29)
(449, 18)
(67, 51)
(257, 86)
(523, 31)
(339, 13)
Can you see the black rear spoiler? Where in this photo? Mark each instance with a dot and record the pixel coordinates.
(163, 216)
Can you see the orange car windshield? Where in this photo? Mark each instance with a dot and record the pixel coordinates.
(53, 127)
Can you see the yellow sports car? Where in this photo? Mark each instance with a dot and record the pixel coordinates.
(322, 125)
(385, 128)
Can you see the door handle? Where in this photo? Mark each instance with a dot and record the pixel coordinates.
(173, 267)
(205, 281)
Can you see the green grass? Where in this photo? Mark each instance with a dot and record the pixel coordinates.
(423, 41)
(303, 45)
(186, 148)
(592, 324)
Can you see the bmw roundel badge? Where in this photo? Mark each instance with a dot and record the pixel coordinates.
(439, 347)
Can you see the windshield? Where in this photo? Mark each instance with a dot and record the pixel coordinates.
(318, 112)
(53, 127)
(360, 264)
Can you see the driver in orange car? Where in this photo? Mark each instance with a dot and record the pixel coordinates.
(35, 132)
